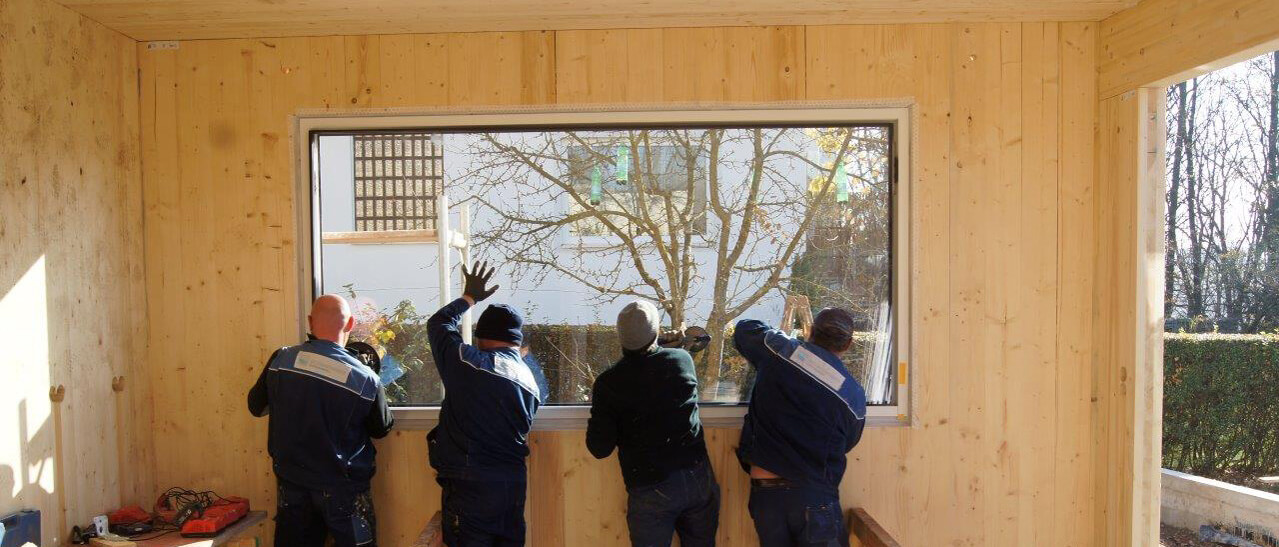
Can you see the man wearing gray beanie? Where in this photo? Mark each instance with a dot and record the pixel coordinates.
(645, 405)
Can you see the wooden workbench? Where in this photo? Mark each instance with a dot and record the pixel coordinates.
(233, 535)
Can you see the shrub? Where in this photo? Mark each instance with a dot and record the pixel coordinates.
(572, 356)
(1221, 405)
(399, 334)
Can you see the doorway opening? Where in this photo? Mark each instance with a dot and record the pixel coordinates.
(1221, 305)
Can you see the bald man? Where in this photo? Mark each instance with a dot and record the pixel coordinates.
(325, 408)
(806, 413)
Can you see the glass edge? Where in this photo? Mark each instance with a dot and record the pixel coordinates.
(574, 418)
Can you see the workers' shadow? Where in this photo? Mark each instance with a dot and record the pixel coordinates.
(8, 501)
(25, 488)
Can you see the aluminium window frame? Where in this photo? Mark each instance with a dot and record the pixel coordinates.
(900, 114)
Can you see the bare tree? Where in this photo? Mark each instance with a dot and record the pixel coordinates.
(1260, 108)
(1223, 199)
(659, 213)
(1177, 144)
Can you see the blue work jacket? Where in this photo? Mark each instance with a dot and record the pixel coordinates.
(490, 398)
(325, 406)
(806, 411)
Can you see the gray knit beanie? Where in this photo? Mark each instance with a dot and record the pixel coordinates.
(637, 326)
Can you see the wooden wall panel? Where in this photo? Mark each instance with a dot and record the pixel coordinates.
(1004, 220)
(220, 230)
(610, 66)
(1116, 195)
(1164, 41)
(1129, 330)
(1073, 500)
(71, 269)
(998, 387)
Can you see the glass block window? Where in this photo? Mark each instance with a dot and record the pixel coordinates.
(397, 179)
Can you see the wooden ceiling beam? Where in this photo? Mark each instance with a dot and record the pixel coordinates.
(150, 20)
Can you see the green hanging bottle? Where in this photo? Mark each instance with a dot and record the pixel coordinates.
(841, 183)
(597, 186)
(623, 161)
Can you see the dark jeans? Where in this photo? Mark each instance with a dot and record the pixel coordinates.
(686, 502)
(304, 517)
(788, 515)
(483, 513)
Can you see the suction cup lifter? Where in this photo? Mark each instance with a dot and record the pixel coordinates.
(694, 339)
(366, 354)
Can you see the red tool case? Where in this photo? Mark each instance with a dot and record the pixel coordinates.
(209, 521)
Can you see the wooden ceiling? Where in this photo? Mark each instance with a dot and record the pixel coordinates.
(199, 19)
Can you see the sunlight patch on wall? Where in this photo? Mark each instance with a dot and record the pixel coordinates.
(26, 438)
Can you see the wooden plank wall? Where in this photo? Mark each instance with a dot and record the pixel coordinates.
(71, 280)
(1129, 330)
(225, 19)
(1005, 224)
(1116, 282)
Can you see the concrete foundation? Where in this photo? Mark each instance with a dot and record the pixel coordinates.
(1189, 502)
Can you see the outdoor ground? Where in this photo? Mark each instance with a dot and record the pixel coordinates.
(1180, 537)
(1249, 480)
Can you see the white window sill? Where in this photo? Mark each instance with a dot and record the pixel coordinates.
(568, 418)
(379, 236)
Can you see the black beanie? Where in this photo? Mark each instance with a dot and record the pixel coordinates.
(502, 323)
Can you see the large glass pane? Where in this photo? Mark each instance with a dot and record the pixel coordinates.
(711, 224)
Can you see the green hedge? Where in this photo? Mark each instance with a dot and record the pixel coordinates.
(573, 355)
(1221, 405)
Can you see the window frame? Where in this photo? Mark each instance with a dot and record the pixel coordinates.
(900, 114)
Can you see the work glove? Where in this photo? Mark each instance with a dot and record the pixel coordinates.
(476, 280)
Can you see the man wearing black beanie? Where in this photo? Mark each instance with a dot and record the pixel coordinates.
(491, 394)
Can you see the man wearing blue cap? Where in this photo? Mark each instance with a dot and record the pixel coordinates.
(806, 413)
(490, 396)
